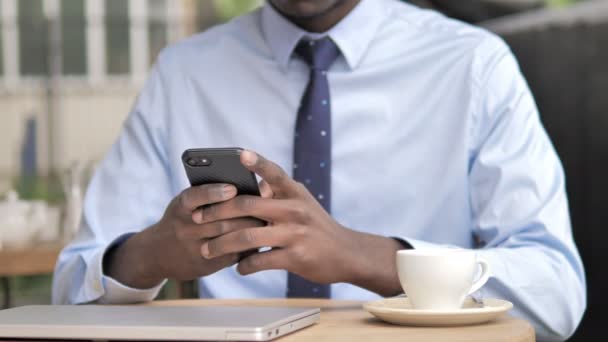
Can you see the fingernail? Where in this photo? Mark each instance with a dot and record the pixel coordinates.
(197, 216)
(249, 158)
(228, 190)
(205, 250)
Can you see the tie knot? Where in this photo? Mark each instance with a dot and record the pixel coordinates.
(319, 54)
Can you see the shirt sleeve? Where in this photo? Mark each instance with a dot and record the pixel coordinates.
(519, 204)
(116, 293)
(129, 192)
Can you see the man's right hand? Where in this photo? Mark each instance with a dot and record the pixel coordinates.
(172, 247)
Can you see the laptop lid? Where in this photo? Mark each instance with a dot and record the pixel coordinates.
(187, 323)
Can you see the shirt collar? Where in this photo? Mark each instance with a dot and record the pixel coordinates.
(352, 35)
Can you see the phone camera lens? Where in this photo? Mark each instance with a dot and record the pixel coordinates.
(198, 161)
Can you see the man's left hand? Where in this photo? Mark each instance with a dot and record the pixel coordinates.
(305, 239)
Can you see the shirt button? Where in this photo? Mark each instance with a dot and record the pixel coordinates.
(98, 286)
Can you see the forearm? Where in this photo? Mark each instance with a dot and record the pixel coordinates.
(545, 282)
(133, 262)
(373, 260)
(547, 287)
(79, 276)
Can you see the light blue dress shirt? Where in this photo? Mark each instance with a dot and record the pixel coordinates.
(437, 140)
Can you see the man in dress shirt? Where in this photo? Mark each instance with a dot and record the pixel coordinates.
(436, 141)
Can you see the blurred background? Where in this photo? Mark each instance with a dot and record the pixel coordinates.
(69, 73)
(70, 70)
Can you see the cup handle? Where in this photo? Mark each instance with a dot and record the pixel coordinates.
(485, 275)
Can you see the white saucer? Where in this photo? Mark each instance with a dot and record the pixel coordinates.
(398, 310)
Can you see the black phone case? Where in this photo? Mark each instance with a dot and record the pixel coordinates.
(224, 167)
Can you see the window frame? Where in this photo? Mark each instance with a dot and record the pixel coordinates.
(95, 40)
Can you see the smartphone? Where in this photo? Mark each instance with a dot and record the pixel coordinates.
(219, 165)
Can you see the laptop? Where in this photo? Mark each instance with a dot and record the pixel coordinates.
(159, 323)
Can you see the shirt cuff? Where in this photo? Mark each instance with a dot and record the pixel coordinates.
(116, 293)
(419, 244)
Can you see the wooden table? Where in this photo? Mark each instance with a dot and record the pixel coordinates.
(41, 259)
(347, 321)
(31, 260)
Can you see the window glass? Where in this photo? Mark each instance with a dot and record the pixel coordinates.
(157, 27)
(73, 31)
(117, 36)
(1, 44)
(33, 38)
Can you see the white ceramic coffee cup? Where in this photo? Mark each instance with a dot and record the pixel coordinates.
(440, 279)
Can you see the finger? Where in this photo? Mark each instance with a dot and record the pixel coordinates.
(265, 190)
(273, 174)
(214, 194)
(217, 228)
(276, 259)
(197, 196)
(244, 240)
(267, 209)
(211, 266)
